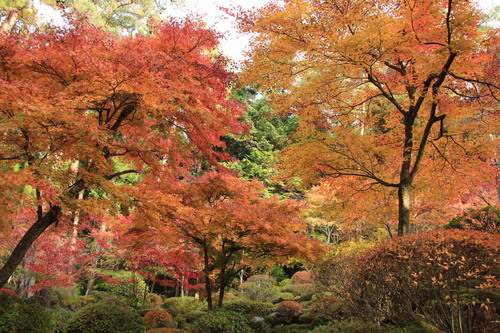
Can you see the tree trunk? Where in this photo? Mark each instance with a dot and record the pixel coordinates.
(208, 282)
(25, 243)
(9, 22)
(222, 287)
(404, 209)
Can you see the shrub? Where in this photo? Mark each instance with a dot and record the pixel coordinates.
(157, 318)
(441, 276)
(327, 309)
(60, 319)
(250, 308)
(8, 304)
(278, 273)
(153, 301)
(260, 288)
(185, 309)
(262, 279)
(290, 310)
(302, 277)
(76, 302)
(484, 219)
(285, 297)
(350, 327)
(105, 318)
(335, 270)
(28, 316)
(285, 283)
(221, 321)
(260, 325)
(304, 292)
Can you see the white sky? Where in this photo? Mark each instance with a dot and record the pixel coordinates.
(233, 44)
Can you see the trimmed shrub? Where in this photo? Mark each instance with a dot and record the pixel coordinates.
(157, 318)
(262, 279)
(304, 292)
(8, 304)
(28, 316)
(250, 308)
(260, 288)
(185, 309)
(302, 277)
(290, 310)
(221, 321)
(105, 318)
(285, 297)
(443, 276)
(153, 301)
(327, 309)
(60, 317)
(76, 302)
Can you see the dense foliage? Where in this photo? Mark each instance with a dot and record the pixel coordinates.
(105, 317)
(445, 277)
(347, 179)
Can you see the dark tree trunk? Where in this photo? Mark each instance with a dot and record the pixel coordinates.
(208, 281)
(25, 243)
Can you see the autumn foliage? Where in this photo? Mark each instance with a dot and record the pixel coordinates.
(443, 276)
(83, 109)
(396, 94)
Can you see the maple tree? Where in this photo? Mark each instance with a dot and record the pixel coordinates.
(230, 223)
(77, 101)
(387, 91)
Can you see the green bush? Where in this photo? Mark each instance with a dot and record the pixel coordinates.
(260, 288)
(221, 321)
(28, 316)
(285, 297)
(260, 325)
(103, 317)
(250, 308)
(8, 304)
(76, 302)
(304, 292)
(184, 309)
(60, 319)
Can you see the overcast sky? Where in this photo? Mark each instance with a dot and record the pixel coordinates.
(233, 44)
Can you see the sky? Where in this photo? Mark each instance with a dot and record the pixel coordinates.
(232, 44)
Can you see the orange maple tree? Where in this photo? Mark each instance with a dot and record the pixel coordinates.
(230, 222)
(77, 102)
(387, 91)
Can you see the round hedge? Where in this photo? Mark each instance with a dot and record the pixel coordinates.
(105, 318)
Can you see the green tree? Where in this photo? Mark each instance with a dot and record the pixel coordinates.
(257, 151)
